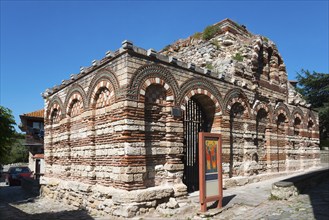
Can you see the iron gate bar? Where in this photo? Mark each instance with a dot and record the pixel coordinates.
(194, 122)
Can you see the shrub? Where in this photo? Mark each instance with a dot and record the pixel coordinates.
(209, 32)
(209, 66)
(238, 57)
(273, 197)
(197, 35)
(215, 43)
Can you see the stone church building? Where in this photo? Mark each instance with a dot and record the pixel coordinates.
(121, 136)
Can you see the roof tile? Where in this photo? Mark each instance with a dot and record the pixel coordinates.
(38, 114)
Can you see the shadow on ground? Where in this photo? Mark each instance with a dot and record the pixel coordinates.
(316, 186)
(9, 212)
(225, 201)
(319, 196)
(10, 196)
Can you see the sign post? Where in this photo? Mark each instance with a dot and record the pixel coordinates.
(210, 169)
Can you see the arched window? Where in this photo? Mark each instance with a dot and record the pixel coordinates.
(102, 97)
(75, 108)
(54, 117)
(281, 124)
(310, 126)
(297, 124)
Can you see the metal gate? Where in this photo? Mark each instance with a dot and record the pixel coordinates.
(194, 122)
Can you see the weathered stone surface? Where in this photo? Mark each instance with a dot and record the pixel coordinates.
(126, 211)
(283, 184)
(180, 190)
(283, 190)
(111, 134)
(172, 204)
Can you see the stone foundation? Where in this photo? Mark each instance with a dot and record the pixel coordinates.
(101, 200)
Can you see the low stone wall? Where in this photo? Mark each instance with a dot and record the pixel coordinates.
(298, 184)
(243, 180)
(101, 200)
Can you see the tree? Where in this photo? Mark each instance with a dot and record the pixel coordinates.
(315, 89)
(18, 152)
(8, 135)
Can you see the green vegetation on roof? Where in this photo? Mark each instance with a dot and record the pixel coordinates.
(238, 57)
(210, 31)
(197, 35)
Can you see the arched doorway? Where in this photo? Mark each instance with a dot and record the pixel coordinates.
(198, 116)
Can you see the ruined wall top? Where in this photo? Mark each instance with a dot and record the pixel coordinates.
(232, 51)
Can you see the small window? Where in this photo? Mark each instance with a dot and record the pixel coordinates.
(37, 125)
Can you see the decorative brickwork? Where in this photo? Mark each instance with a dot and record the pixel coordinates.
(154, 73)
(55, 104)
(199, 86)
(76, 98)
(120, 136)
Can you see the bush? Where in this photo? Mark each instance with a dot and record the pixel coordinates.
(273, 197)
(197, 35)
(209, 32)
(209, 66)
(215, 43)
(238, 57)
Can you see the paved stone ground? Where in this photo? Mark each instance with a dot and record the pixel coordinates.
(313, 204)
(251, 201)
(15, 203)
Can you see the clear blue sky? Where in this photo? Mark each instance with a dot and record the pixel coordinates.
(43, 42)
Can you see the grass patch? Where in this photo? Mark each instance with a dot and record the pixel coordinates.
(209, 66)
(215, 43)
(209, 32)
(197, 35)
(237, 24)
(238, 57)
(273, 197)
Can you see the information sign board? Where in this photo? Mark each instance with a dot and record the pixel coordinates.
(210, 167)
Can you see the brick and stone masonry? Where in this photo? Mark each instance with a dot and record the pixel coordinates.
(114, 145)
